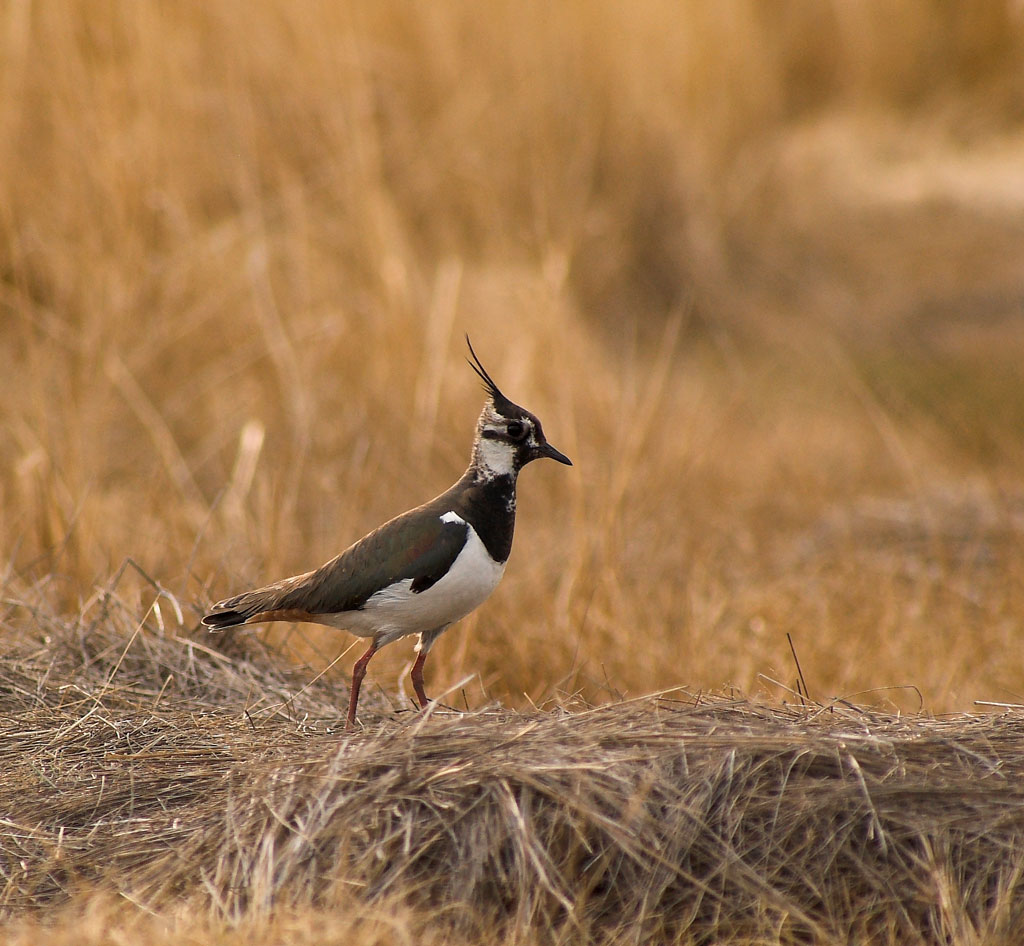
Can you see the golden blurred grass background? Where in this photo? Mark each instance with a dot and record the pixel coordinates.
(756, 265)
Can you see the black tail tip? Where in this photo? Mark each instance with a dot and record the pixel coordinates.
(218, 620)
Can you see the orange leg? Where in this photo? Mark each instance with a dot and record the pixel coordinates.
(417, 679)
(358, 672)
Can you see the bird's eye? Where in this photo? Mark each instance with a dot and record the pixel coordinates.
(515, 430)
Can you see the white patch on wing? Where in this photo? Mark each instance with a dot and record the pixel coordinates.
(396, 610)
(451, 516)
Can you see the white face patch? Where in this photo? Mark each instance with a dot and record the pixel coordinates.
(496, 456)
(505, 444)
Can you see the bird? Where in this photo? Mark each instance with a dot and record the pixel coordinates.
(425, 569)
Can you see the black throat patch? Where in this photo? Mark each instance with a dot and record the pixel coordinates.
(489, 506)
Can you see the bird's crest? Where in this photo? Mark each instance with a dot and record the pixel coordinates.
(501, 403)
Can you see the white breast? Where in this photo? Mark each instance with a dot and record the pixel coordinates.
(396, 611)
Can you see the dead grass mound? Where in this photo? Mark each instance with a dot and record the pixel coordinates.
(156, 768)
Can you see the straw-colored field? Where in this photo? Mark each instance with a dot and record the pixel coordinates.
(131, 800)
(756, 266)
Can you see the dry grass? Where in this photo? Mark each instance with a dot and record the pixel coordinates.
(767, 298)
(756, 266)
(668, 819)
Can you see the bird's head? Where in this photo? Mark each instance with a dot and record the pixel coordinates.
(507, 436)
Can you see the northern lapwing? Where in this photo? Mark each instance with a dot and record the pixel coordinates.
(424, 570)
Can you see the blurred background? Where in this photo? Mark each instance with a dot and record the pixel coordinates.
(757, 264)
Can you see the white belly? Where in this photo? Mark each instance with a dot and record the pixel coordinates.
(396, 611)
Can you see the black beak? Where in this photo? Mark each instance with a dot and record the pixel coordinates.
(548, 451)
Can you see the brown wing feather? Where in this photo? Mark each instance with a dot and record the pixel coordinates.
(411, 546)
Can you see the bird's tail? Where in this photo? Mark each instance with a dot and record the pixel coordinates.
(229, 617)
(271, 603)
